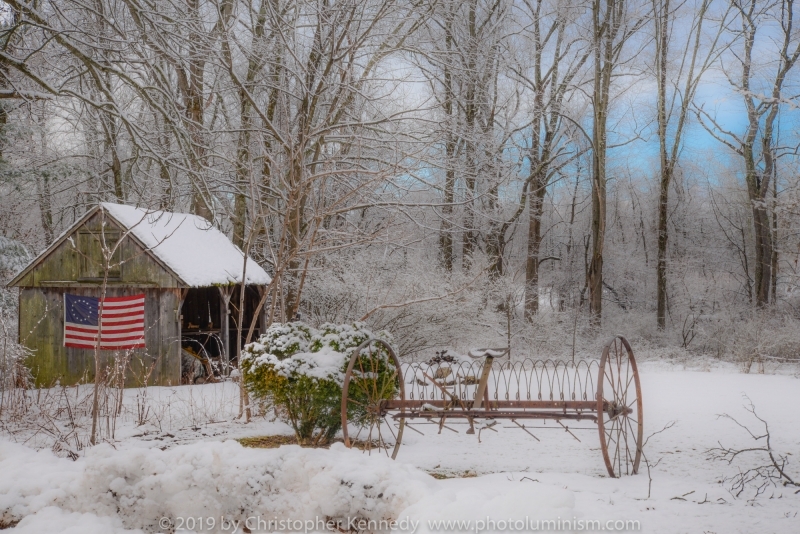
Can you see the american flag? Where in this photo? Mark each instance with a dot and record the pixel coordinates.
(121, 322)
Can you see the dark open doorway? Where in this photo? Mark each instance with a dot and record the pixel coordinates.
(203, 332)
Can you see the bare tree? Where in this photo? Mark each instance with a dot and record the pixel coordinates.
(676, 88)
(462, 60)
(556, 54)
(763, 97)
(613, 24)
(326, 144)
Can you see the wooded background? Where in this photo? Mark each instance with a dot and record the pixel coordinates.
(460, 172)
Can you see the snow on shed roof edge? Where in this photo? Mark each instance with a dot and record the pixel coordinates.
(189, 245)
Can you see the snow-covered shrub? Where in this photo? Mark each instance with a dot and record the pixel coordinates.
(747, 336)
(300, 371)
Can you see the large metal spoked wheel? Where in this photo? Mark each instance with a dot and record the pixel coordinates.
(373, 377)
(619, 409)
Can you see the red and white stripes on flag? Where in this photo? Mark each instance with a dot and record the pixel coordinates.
(119, 320)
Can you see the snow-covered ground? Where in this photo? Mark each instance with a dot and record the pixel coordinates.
(182, 465)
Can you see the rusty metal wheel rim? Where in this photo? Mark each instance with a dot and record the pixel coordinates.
(378, 427)
(619, 409)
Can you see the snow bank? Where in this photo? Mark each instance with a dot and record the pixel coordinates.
(52, 519)
(115, 491)
(491, 503)
(109, 490)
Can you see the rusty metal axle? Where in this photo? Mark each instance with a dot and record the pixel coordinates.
(494, 414)
(491, 406)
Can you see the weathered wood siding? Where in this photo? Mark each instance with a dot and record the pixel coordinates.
(41, 325)
(62, 267)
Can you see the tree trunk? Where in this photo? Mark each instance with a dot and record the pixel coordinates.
(662, 21)
(43, 190)
(663, 236)
(243, 156)
(595, 272)
(243, 171)
(535, 211)
(758, 180)
(294, 227)
(167, 201)
(193, 99)
(774, 295)
(470, 238)
(446, 232)
(603, 59)
(763, 252)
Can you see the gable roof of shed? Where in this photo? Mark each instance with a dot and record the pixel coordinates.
(188, 246)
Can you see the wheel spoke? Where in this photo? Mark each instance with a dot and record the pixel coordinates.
(369, 440)
(609, 374)
(381, 442)
(610, 432)
(633, 430)
(360, 429)
(373, 363)
(360, 365)
(388, 384)
(611, 443)
(389, 425)
(626, 450)
(628, 427)
(623, 390)
(629, 381)
(627, 372)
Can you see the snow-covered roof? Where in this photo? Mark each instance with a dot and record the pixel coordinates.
(189, 245)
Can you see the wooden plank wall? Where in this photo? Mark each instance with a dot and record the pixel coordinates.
(41, 324)
(62, 266)
(41, 327)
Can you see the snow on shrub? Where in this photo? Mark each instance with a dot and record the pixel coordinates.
(300, 371)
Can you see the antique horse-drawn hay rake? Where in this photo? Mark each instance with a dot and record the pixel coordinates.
(479, 392)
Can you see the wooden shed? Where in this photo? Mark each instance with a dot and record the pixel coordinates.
(189, 272)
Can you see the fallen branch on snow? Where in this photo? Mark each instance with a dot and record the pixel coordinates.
(760, 477)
